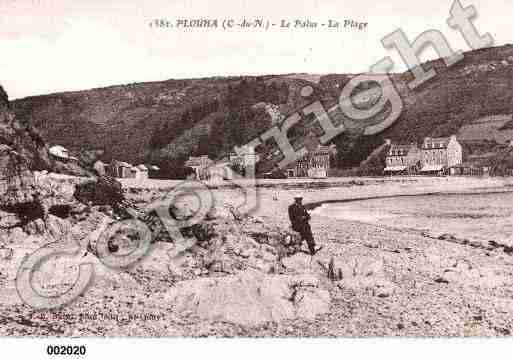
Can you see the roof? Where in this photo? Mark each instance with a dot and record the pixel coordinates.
(320, 151)
(59, 151)
(122, 164)
(394, 169)
(245, 150)
(201, 161)
(401, 149)
(436, 142)
(324, 150)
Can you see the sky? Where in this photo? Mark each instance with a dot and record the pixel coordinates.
(49, 46)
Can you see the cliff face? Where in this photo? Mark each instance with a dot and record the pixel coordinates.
(22, 137)
(22, 150)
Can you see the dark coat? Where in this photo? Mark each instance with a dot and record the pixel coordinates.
(299, 217)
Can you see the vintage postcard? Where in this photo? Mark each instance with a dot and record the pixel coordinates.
(255, 169)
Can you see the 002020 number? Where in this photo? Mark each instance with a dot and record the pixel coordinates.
(66, 350)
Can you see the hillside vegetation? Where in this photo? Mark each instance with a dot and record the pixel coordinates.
(165, 122)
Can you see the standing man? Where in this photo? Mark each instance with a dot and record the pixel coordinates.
(299, 218)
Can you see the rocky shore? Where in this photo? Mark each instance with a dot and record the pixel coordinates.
(243, 274)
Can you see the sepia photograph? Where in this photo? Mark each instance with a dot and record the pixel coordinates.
(191, 169)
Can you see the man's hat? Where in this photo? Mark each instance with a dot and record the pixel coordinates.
(298, 196)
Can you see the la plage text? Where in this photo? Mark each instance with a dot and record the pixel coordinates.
(213, 23)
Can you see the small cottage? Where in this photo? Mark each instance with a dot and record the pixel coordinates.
(403, 158)
(121, 169)
(244, 160)
(220, 172)
(60, 153)
(315, 164)
(141, 172)
(200, 166)
(153, 171)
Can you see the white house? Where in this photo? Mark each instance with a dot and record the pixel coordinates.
(60, 153)
(245, 158)
(219, 172)
(402, 158)
(200, 166)
(141, 172)
(121, 169)
(100, 168)
(440, 154)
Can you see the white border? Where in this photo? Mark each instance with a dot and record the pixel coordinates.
(225, 348)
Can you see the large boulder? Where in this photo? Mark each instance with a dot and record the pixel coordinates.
(103, 191)
(250, 298)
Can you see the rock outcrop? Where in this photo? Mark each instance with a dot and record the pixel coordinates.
(22, 151)
(27, 191)
(250, 298)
